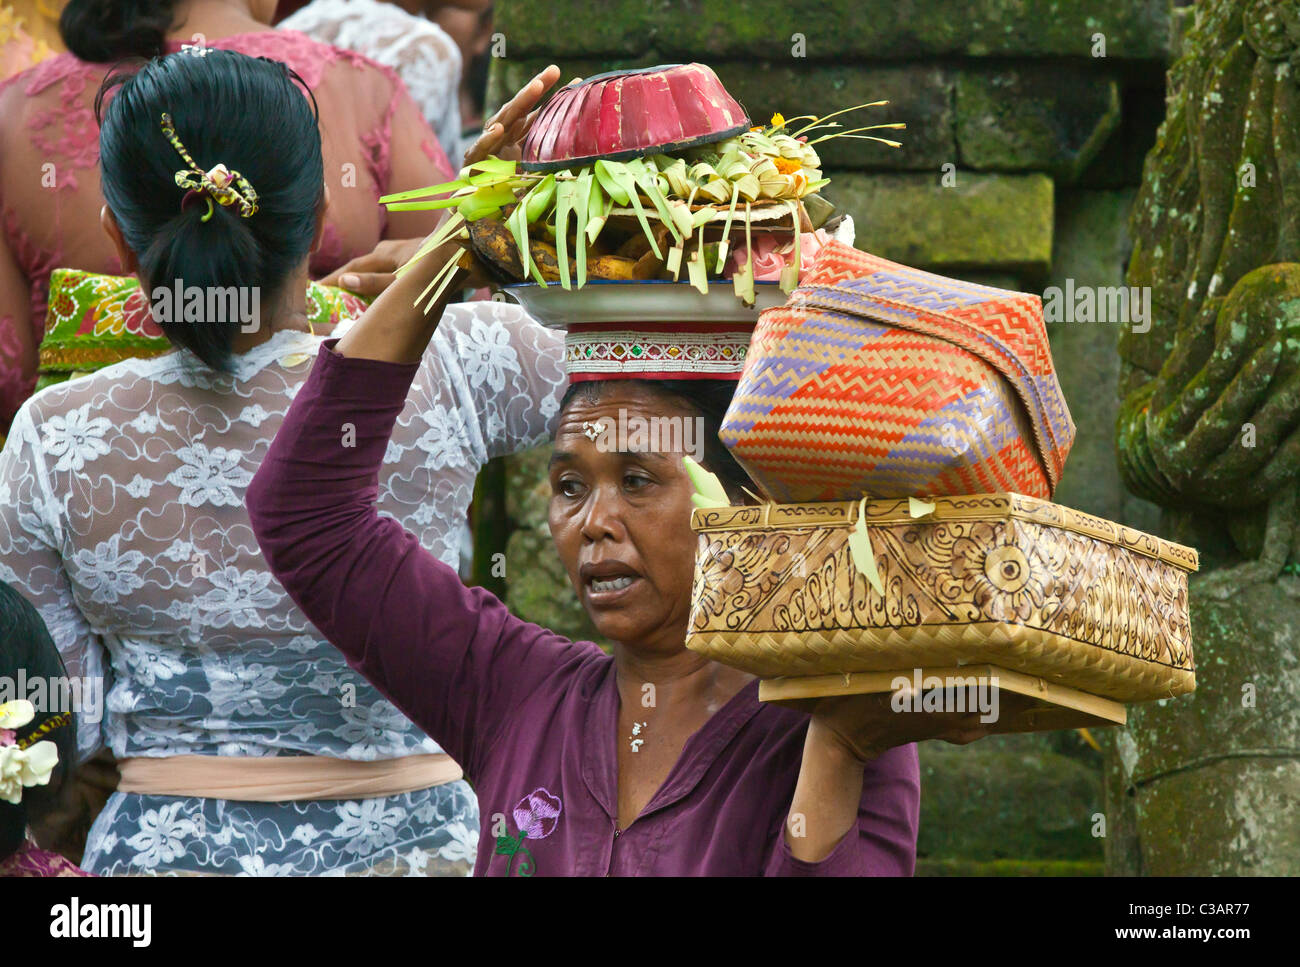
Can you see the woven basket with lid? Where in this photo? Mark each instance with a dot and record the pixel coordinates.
(1003, 579)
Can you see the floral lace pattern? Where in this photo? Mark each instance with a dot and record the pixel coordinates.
(425, 833)
(424, 57)
(122, 520)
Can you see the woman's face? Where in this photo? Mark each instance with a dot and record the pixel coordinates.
(621, 520)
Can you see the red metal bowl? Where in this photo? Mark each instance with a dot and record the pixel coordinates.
(628, 114)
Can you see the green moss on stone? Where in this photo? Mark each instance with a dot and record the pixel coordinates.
(1007, 797)
(836, 29)
(1051, 119)
(985, 222)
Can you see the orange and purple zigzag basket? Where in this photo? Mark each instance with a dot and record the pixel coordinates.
(876, 379)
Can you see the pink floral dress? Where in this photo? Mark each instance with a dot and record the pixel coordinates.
(375, 140)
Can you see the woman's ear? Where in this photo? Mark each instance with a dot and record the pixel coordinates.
(130, 264)
(320, 218)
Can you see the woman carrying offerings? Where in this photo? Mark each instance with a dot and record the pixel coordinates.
(648, 761)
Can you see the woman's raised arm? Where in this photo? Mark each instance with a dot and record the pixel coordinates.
(452, 658)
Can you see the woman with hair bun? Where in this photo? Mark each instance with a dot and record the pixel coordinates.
(246, 745)
(375, 141)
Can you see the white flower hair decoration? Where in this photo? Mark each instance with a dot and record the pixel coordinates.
(28, 762)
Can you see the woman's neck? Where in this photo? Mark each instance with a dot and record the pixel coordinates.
(681, 678)
(214, 19)
(287, 311)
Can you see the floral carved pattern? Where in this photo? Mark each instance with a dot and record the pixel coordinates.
(765, 596)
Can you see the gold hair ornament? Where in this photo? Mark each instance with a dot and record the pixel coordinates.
(220, 183)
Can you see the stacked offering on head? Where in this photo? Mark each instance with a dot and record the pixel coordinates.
(654, 185)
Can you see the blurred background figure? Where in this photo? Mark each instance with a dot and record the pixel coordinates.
(38, 742)
(375, 141)
(470, 26)
(429, 44)
(29, 33)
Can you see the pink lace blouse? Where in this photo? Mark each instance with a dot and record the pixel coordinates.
(375, 140)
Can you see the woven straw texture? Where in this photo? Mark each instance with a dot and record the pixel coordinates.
(878, 379)
(997, 578)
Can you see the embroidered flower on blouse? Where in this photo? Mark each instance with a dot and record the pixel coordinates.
(162, 836)
(305, 833)
(108, 572)
(363, 725)
(209, 476)
(139, 488)
(149, 664)
(74, 438)
(258, 866)
(462, 845)
(179, 550)
(238, 597)
(145, 423)
(253, 415)
(445, 441)
(487, 355)
(536, 815)
(368, 823)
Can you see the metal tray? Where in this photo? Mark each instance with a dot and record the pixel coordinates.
(655, 300)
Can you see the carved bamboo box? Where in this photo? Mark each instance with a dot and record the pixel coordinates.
(1011, 581)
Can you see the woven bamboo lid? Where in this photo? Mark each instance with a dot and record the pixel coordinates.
(974, 507)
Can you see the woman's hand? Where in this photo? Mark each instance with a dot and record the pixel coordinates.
(504, 132)
(370, 274)
(864, 726)
(847, 732)
(394, 329)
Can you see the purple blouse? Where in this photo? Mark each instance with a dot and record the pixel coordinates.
(531, 716)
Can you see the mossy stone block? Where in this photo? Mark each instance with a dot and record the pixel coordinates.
(959, 220)
(776, 29)
(1214, 774)
(1041, 118)
(1007, 797)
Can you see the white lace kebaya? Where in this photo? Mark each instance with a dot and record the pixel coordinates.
(423, 55)
(122, 519)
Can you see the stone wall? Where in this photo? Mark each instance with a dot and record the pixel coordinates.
(1027, 123)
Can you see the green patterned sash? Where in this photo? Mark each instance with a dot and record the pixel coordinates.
(95, 320)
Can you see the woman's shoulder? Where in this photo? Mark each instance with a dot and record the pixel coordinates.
(484, 326)
(310, 58)
(52, 71)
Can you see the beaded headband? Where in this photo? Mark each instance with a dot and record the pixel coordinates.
(226, 186)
